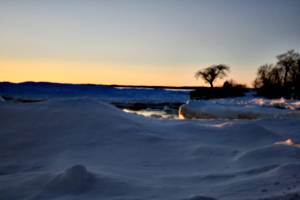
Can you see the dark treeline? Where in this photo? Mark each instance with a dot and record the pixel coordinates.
(273, 80)
(281, 79)
(209, 75)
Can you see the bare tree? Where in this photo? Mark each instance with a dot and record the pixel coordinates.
(210, 74)
(263, 74)
(289, 61)
(297, 83)
(283, 79)
(269, 80)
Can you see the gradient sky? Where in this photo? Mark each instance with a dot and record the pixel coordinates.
(155, 42)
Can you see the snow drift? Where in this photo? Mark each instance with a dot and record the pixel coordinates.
(216, 109)
(86, 149)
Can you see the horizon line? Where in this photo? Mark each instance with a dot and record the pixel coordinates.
(118, 85)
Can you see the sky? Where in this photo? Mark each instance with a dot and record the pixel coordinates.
(153, 42)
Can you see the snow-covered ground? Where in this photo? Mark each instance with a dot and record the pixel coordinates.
(79, 147)
(246, 107)
(47, 91)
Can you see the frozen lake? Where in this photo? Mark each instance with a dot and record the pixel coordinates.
(155, 102)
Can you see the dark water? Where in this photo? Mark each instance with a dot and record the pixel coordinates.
(158, 110)
(155, 113)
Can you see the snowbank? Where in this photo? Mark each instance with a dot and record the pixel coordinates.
(233, 110)
(86, 149)
(250, 100)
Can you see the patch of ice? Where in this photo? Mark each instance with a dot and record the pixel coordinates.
(214, 110)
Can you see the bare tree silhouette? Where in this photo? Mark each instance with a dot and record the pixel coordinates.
(282, 79)
(289, 61)
(210, 74)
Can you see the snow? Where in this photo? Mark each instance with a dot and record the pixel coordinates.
(46, 91)
(246, 107)
(290, 142)
(76, 147)
(87, 149)
(249, 100)
(213, 110)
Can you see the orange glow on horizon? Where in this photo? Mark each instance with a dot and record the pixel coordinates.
(99, 73)
(93, 73)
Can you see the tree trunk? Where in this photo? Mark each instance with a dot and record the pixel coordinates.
(287, 69)
(211, 84)
(287, 92)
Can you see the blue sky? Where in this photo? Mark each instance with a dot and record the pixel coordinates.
(142, 42)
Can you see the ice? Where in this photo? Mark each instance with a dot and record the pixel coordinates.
(46, 91)
(234, 109)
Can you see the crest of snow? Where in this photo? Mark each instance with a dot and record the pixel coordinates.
(254, 101)
(290, 142)
(231, 109)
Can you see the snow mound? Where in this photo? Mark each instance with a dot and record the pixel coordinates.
(242, 135)
(274, 154)
(75, 176)
(212, 110)
(250, 100)
(74, 180)
(276, 103)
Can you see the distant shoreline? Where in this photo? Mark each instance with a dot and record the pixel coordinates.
(112, 85)
(144, 86)
(119, 86)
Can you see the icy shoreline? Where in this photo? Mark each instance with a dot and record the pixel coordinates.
(249, 110)
(156, 102)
